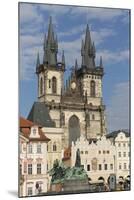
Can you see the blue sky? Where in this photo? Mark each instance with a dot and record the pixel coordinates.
(110, 32)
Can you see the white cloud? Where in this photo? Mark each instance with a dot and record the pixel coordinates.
(55, 9)
(31, 38)
(75, 30)
(112, 57)
(102, 14)
(118, 109)
(28, 13)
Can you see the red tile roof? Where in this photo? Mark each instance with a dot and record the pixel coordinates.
(26, 123)
(25, 127)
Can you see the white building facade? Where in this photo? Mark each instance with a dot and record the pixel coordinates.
(98, 159)
(33, 160)
(121, 140)
(108, 155)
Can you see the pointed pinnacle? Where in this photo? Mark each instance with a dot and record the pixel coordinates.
(38, 60)
(93, 47)
(87, 38)
(44, 41)
(101, 64)
(50, 29)
(63, 57)
(76, 65)
(82, 47)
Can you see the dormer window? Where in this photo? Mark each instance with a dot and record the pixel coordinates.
(34, 131)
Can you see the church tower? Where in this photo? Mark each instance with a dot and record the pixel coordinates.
(50, 72)
(77, 108)
(89, 74)
(90, 78)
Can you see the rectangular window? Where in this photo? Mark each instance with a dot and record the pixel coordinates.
(29, 168)
(86, 152)
(119, 144)
(124, 154)
(124, 144)
(119, 154)
(38, 168)
(125, 166)
(111, 166)
(20, 169)
(38, 148)
(105, 166)
(128, 154)
(120, 166)
(99, 152)
(30, 149)
(88, 167)
(54, 147)
(93, 117)
(108, 152)
(100, 168)
(30, 191)
(103, 152)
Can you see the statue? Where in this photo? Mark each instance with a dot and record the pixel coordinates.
(57, 172)
(78, 159)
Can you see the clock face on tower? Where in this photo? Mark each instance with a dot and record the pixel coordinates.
(73, 85)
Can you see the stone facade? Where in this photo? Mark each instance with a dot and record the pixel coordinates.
(81, 98)
(54, 146)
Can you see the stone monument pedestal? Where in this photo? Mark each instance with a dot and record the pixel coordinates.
(76, 185)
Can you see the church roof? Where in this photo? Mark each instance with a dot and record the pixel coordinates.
(39, 114)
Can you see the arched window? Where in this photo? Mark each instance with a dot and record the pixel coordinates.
(92, 88)
(41, 86)
(74, 129)
(54, 85)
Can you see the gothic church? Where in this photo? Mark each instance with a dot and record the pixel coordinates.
(78, 106)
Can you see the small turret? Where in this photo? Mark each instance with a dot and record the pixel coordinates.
(37, 62)
(93, 49)
(101, 64)
(76, 65)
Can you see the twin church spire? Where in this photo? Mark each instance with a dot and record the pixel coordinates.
(50, 48)
(88, 51)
